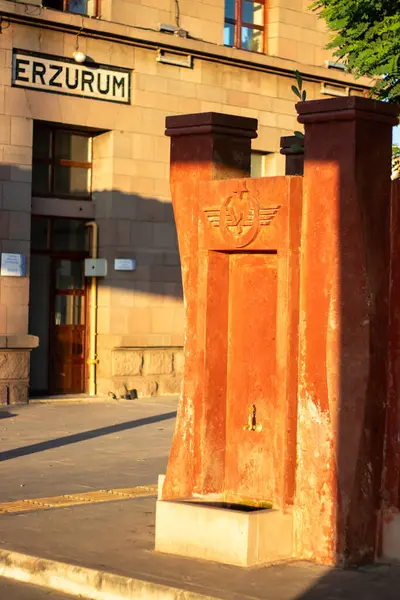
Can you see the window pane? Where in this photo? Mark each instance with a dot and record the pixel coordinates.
(71, 181)
(40, 233)
(229, 34)
(71, 146)
(78, 6)
(252, 39)
(70, 235)
(70, 310)
(91, 8)
(56, 4)
(253, 12)
(230, 9)
(41, 141)
(69, 274)
(40, 179)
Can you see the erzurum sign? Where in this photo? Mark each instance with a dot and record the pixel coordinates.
(64, 76)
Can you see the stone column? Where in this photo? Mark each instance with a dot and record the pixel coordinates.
(392, 454)
(291, 150)
(343, 327)
(203, 147)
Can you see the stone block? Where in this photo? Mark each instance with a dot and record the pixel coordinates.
(127, 363)
(14, 291)
(4, 129)
(4, 224)
(145, 387)
(17, 196)
(22, 341)
(3, 393)
(21, 131)
(20, 224)
(17, 320)
(165, 235)
(19, 393)
(179, 362)
(169, 386)
(14, 365)
(157, 362)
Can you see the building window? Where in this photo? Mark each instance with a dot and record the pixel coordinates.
(245, 24)
(61, 163)
(80, 7)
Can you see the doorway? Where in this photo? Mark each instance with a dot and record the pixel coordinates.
(58, 305)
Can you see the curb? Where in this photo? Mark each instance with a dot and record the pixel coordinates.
(89, 583)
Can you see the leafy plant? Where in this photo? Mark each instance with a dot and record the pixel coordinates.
(367, 40)
(302, 95)
(396, 161)
(298, 89)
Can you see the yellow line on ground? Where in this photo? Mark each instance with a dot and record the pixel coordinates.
(28, 504)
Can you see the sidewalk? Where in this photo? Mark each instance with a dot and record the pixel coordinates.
(118, 537)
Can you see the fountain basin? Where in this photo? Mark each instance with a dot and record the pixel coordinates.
(223, 530)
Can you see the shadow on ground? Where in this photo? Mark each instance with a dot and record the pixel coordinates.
(372, 582)
(83, 436)
(4, 414)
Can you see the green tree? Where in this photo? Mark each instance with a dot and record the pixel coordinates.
(396, 161)
(367, 39)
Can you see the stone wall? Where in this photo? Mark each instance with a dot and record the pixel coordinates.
(14, 368)
(148, 371)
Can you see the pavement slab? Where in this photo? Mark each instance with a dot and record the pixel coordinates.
(130, 448)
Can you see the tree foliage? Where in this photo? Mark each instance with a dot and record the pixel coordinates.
(367, 40)
(396, 161)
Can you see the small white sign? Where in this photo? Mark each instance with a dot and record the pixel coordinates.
(95, 267)
(12, 265)
(124, 264)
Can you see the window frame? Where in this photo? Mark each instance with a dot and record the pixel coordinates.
(66, 4)
(239, 24)
(53, 162)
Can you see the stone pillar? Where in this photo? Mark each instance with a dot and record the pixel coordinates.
(392, 455)
(343, 327)
(291, 150)
(203, 147)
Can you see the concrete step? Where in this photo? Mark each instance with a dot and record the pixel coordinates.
(87, 583)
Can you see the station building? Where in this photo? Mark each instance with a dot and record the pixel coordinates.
(85, 87)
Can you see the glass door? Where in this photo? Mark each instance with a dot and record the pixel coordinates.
(68, 331)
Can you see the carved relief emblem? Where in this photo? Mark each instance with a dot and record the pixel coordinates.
(240, 218)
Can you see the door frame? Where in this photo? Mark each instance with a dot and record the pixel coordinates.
(54, 257)
(68, 255)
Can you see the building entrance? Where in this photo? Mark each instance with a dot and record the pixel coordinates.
(58, 305)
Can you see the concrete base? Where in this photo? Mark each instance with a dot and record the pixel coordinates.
(191, 528)
(14, 367)
(391, 536)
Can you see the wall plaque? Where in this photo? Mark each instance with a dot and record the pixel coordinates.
(124, 264)
(60, 75)
(12, 265)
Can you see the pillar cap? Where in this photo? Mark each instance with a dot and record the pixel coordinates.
(23, 342)
(206, 123)
(347, 109)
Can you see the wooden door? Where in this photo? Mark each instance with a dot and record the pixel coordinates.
(68, 326)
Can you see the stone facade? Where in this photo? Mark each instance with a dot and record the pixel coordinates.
(130, 187)
(147, 371)
(14, 368)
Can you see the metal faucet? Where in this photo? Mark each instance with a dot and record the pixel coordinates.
(252, 420)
